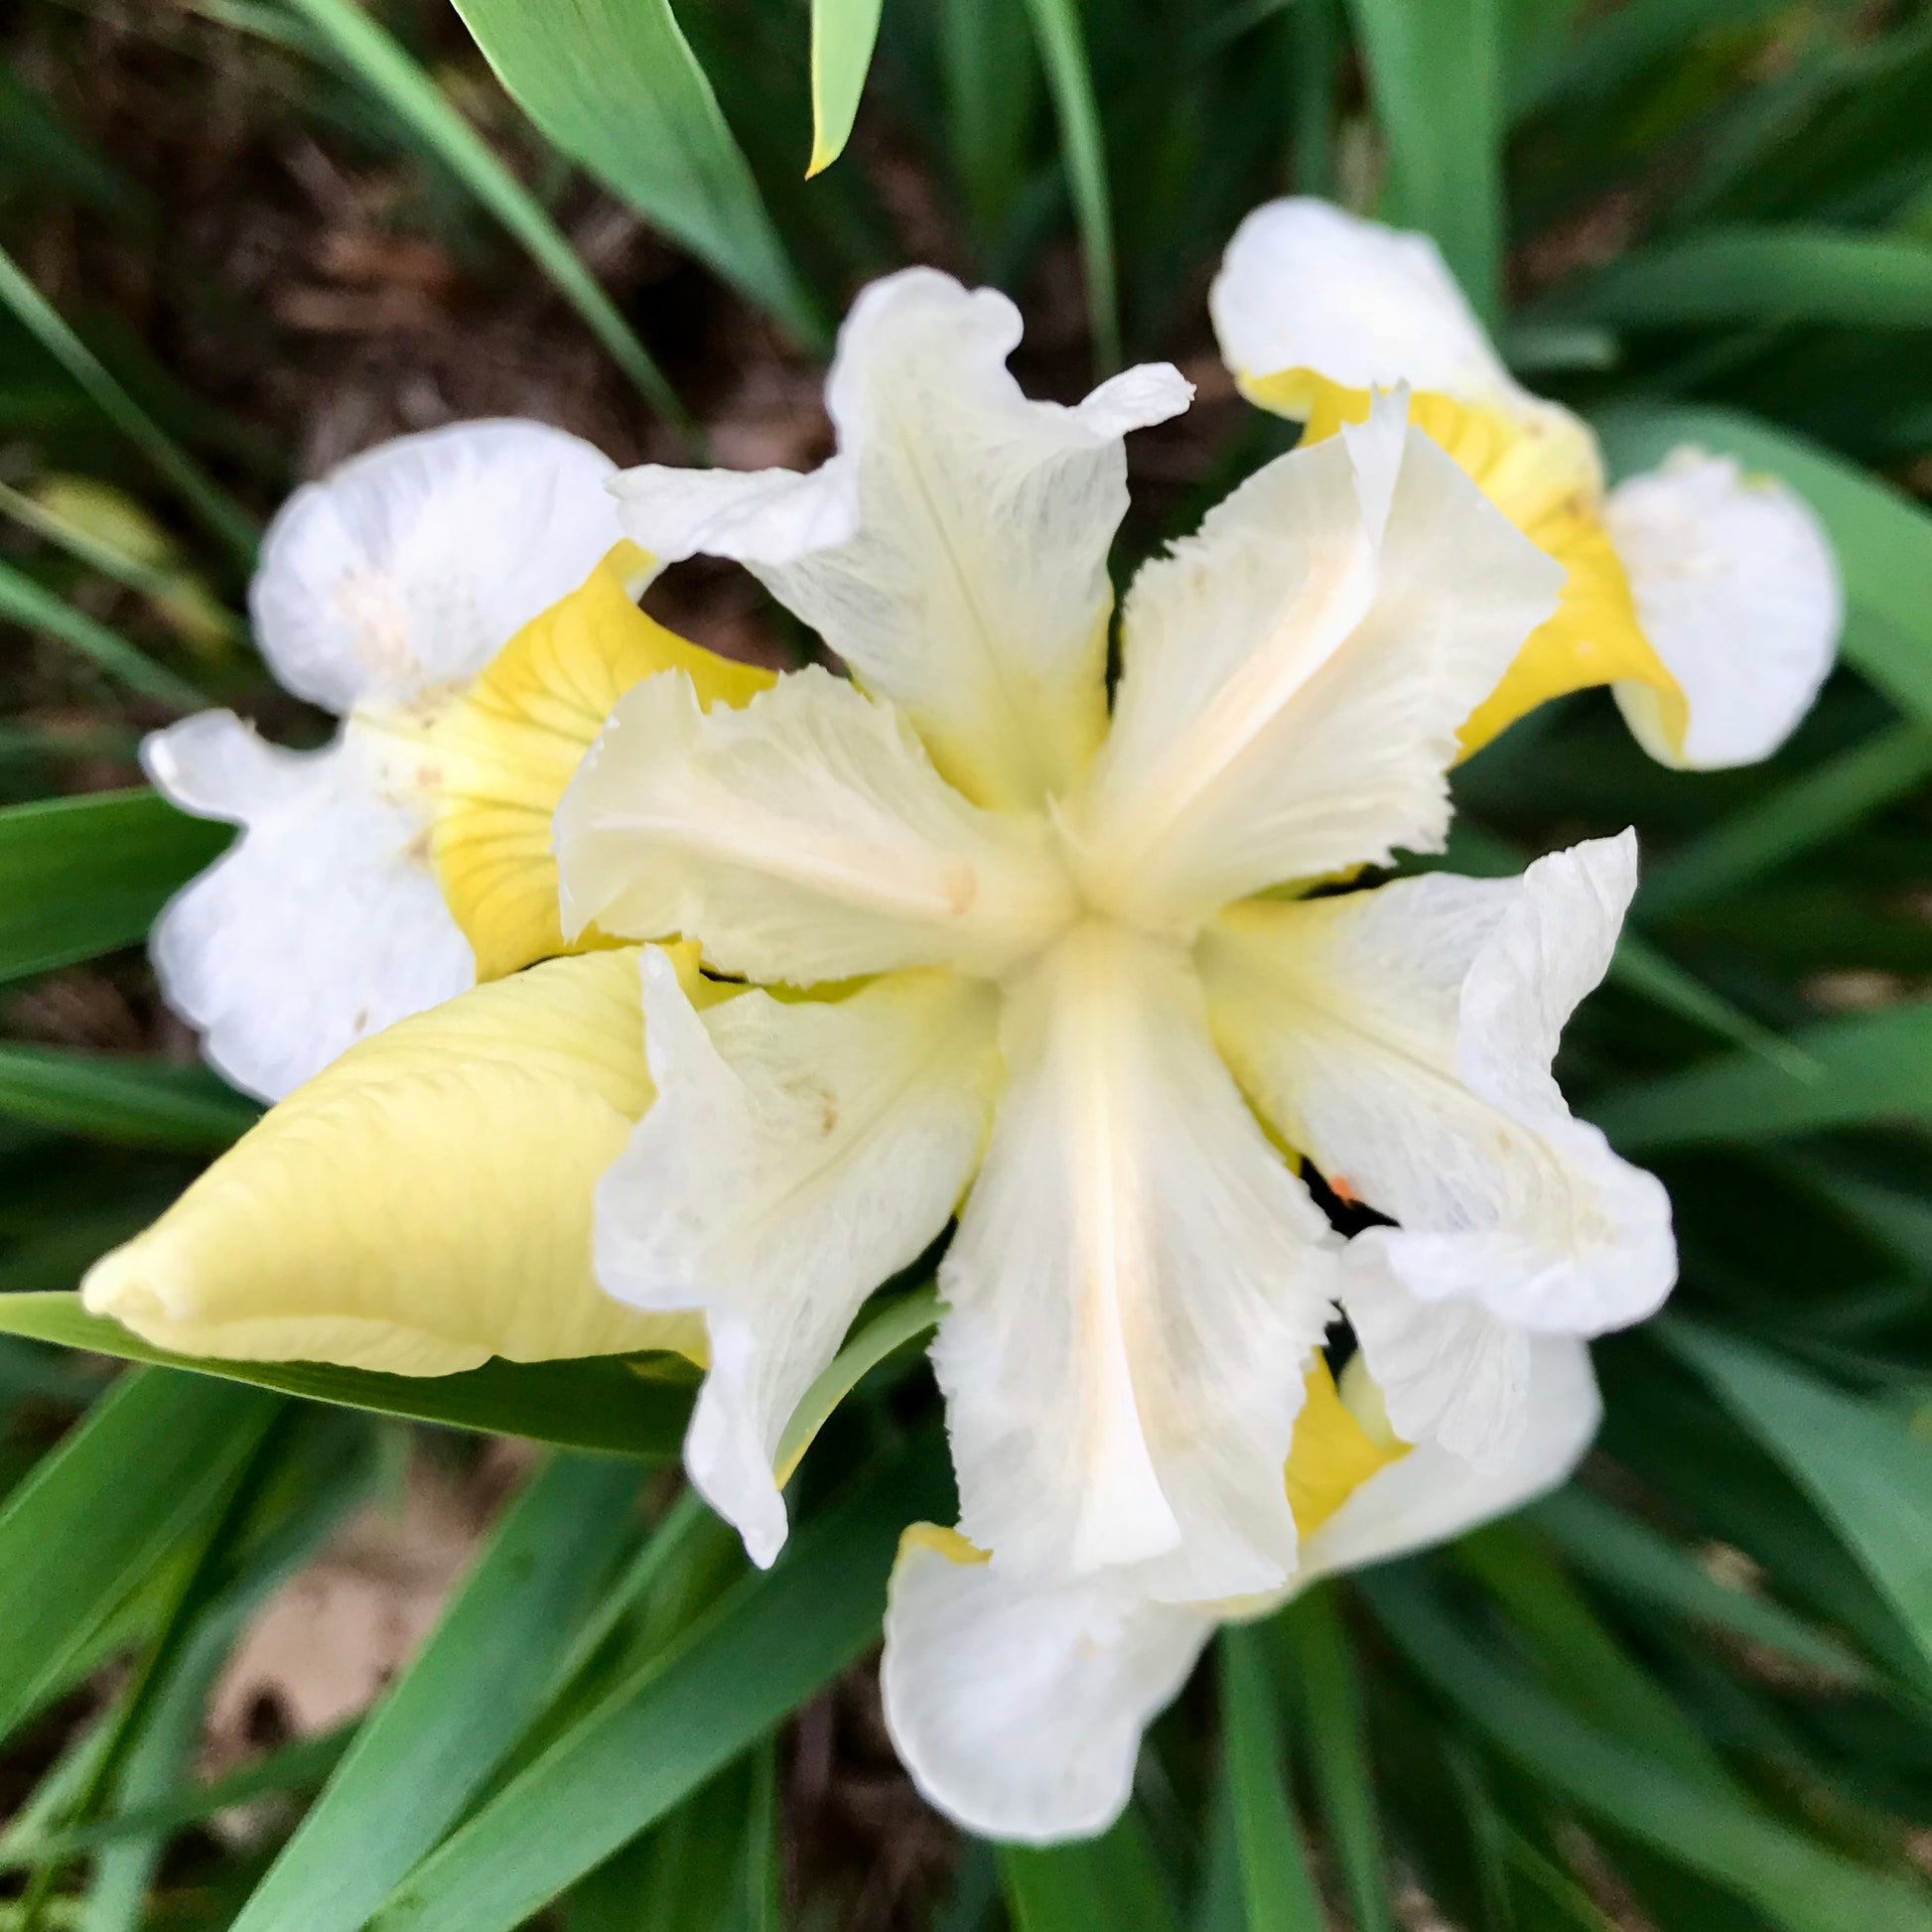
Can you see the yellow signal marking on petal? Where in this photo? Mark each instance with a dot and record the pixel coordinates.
(1331, 1456)
(942, 1542)
(499, 758)
(1540, 470)
(423, 1203)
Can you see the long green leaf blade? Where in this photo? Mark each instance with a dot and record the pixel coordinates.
(222, 516)
(1435, 74)
(155, 1456)
(1829, 800)
(1871, 1067)
(32, 605)
(79, 877)
(843, 32)
(471, 1692)
(1868, 1474)
(390, 74)
(1330, 1702)
(601, 1404)
(1070, 79)
(764, 1647)
(131, 1102)
(1275, 1880)
(1792, 1882)
(1113, 1879)
(615, 85)
(1761, 275)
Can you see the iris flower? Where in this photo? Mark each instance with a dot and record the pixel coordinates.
(970, 936)
(1706, 599)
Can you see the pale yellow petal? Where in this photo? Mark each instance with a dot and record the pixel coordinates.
(424, 1202)
(501, 756)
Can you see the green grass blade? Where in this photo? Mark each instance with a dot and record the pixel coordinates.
(80, 877)
(890, 1328)
(770, 1642)
(155, 1456)
(1872, 1067)
(1329, 1704)
(472, 1690)
(601, 1404)
(130, 1102)
(1588, 1669)
(614, 85)
(389, 73)
(31, 604)
(1314, 50)
(843, 32)
(1868, 1473)
(1829, 800)
(1435, 76)
(217, 510)
(1761, 275)
(1640, 1564)
(1883, 539)
(1793, 1882)
(1070, 79)
(300, 1767)
(1112, 1881)
(1275, 1882)
(989, 69)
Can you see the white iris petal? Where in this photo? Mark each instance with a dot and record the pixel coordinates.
(381, 589)
(795, 1156)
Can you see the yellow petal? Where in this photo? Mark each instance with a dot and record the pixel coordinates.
(424, 1202)
(1333, 1453)
(502, 753)
(1540, 470)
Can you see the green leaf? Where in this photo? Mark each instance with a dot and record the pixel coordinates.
(614, 84)
(1070, 79)
(1275, 1880)
(1110, 1880)
(764, 1647)
(1871, 1066)
(1435, 74)
(1792, 1882)
(1584, 1664)
(1868, 1474)
(475, 1686)
(154, 1457)
(80, 877)
(395, 80)
(602, 1404)
(31, 604)
(1329, 1704)
(222, 516)
(1759, 275)
(114, 1097)
(1640, 1564)
(889, 1328)
(1883, 539)
(1797, 818)
(843, 32)
(989, 69)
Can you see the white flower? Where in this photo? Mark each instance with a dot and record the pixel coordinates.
(383, 873)
(1074, 1023)
(1018, 1708)
(1708, 601)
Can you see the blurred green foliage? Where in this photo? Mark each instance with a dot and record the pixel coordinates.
(1692, 1691)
